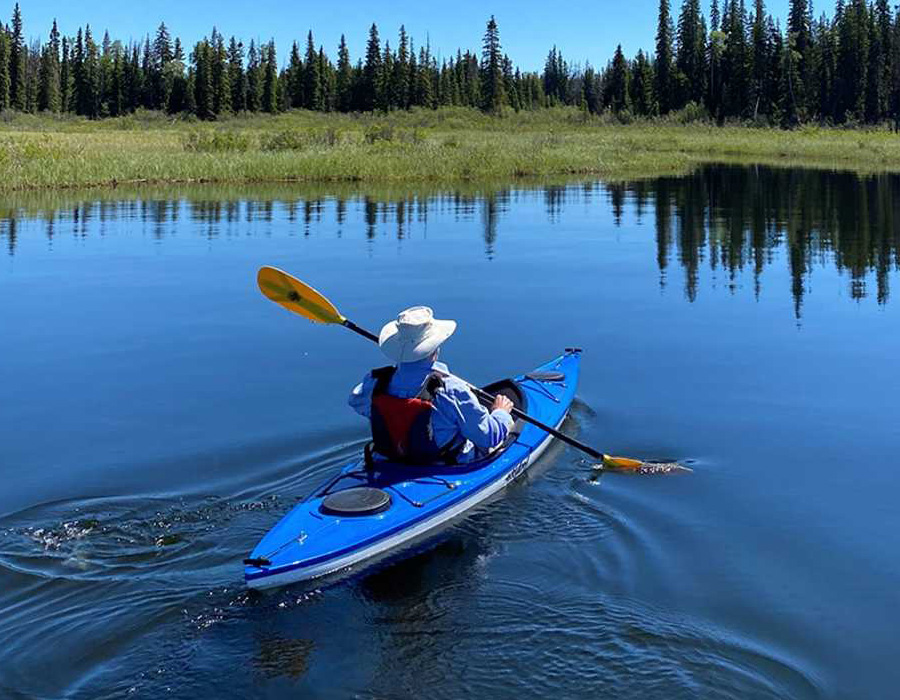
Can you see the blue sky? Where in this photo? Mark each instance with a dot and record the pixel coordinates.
(583, 29)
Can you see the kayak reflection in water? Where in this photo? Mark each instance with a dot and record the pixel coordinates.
(419, 412)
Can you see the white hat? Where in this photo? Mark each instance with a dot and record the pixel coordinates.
(414, 335)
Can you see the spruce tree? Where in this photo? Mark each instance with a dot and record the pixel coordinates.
(714, 53)
(344, 78)
(254, 81)
(48, 90)
(690, 55)
(221, 87)
(149, 78)
(591, 100)
(179, 100)
(237, 80)
(413, 75)
(4, 69)
(161, 54)
(894, 91)
(760, 59)
(135, 80)
(327, 81)
(853, 54)
(556, 77)
(878, 72)
(492, 92)
(618, 82)
(294, 78)
(664, 64)
(32, 76)
(312, 79)
(400, 83)
(799, 42)
(641, 87)
(371, 81)
(270, 80)
(90, 97)
(386, 86)
(735, 60)
(425, 79)
(18, 56)
(510, 89)
(115, 99)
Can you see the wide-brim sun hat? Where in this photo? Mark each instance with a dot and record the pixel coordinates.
(414, 335)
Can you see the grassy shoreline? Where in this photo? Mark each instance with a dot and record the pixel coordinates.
(447, 146)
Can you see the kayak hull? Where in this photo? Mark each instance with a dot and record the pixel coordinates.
(309, 542)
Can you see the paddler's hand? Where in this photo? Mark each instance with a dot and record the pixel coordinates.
(503, 403)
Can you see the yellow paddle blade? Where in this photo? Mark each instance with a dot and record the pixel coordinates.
(622, 463)
(296, 296)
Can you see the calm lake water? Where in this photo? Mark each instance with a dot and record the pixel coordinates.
(158, 415)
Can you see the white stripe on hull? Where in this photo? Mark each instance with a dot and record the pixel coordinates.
(382, 546)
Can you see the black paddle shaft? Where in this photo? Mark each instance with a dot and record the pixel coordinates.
(485, 396)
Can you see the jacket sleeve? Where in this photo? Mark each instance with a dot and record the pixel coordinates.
(486, 429)
(361, 397)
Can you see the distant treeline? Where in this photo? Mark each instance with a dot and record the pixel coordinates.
(742, 65)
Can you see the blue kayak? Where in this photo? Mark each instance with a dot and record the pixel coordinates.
(371, 508)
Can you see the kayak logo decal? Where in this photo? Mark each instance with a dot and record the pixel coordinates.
(517, 470)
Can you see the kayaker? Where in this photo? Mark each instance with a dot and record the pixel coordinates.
(418, 411)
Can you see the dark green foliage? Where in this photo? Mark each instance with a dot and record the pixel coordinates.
(853, 54)
(48, 89)
(270, 80)
(690, 61)
(665, 79)
(203, 89)
(618, 97)
(372, 74)
(344, 79)
(294, 78)
(424, 88)
(641, 87)
(840, 70)
(715, 88)
(4, 69)
(760, 61)
(17, 60)
(800, 39)
(237, 79)
(492, 84)
(400, 81)
(254, 79)
(384, 90)
(556, 77)
(313, 97)
(221, 86)
(894, 73)
(735, 60)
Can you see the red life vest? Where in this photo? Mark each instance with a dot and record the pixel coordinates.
(402, 428)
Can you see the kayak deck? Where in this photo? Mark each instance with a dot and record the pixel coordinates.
(311, 541)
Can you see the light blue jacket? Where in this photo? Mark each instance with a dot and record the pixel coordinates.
(457, 413)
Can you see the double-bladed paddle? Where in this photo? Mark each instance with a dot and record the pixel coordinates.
(299, 298)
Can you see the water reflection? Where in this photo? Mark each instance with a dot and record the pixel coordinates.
(282, 656)
(729, 219)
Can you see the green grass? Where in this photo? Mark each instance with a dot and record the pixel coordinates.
(450, 145)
